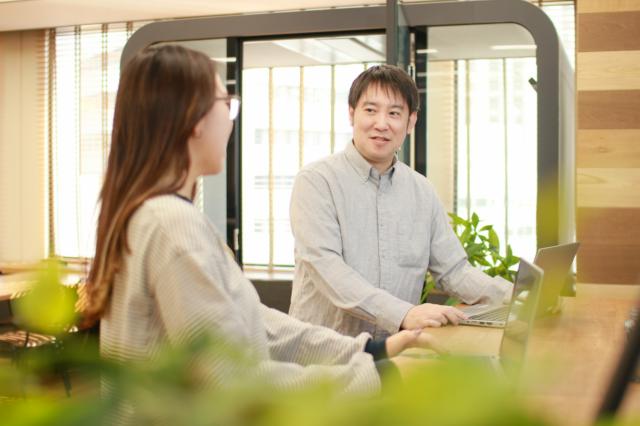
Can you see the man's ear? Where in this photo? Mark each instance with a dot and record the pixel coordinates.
(413, 117)
(351, 111)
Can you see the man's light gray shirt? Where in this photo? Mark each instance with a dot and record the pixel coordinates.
(364, 241)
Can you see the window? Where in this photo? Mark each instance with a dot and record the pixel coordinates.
(293, 116)
(295, 111)
(85, 73)
(482, 123)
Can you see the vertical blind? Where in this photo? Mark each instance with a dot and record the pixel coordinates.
(83, 72)
(291, 117)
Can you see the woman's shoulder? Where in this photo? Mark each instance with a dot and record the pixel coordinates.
(168, 210)
(179, 221)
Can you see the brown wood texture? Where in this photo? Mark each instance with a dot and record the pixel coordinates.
(611, 31)
(602, 187)
(615, 109)
(570, 356)
(610, 245)
(608, 70)
(597, 6)
(608, 148)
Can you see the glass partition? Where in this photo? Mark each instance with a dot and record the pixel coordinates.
(481, 125)
(295, 111)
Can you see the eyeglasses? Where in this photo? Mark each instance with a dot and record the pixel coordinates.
(233, 102)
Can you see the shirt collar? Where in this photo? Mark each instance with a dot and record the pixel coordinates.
(362, 166)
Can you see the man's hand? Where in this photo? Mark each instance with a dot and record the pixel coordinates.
(417, 338)
(430, 315)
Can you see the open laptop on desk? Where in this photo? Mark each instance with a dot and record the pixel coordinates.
(519, 324)
(556, 263)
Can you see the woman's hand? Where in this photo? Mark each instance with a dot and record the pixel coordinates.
(416, 338)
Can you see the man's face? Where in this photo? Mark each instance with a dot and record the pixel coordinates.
(381, 121)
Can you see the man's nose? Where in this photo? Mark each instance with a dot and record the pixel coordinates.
(381, 121)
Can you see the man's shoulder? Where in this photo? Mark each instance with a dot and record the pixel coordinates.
(328, 166)
(412, 177)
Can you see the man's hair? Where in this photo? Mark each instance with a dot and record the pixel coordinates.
(387, 77)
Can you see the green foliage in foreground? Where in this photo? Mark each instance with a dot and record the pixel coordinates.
(169, 390)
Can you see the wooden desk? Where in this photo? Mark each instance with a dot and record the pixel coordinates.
(570, 357)
(14, 284)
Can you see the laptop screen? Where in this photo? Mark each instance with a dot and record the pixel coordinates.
(519, 323)
(556, 263)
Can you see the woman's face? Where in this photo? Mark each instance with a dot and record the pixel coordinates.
(208, 143)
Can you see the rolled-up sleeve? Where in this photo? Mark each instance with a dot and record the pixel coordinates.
(316, 228)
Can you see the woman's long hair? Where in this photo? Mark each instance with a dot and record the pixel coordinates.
(164, 92)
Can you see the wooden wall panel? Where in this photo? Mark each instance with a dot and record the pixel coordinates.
(609, 70)
(607, 264)
(618, 187)
(608, 148)
(596, 6)
(608, 140)
(608, 31)
(611, 109)
(610, 249)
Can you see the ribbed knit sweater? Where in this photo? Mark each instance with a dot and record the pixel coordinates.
(180, 280)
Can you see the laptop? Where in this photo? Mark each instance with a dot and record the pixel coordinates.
(517, 330)
(556, 263)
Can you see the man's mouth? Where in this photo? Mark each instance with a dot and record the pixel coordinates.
(380, 139)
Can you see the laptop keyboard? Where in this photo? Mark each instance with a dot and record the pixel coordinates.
(498, 314)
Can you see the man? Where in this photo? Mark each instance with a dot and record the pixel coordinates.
(367, 227)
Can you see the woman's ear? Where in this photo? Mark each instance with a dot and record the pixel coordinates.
(197, 131)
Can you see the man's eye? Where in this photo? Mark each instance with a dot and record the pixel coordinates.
(369, 110)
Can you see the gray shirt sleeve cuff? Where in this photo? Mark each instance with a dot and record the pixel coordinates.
(392, 314)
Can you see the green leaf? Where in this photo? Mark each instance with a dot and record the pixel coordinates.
(50, 306)
(475, 249)
(457, 220)
(475, 219)
(464, 238)
(493, 239)
(509, 252)
(482, 261)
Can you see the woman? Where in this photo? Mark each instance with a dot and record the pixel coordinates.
(162, 274)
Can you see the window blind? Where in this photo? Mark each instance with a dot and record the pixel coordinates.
(84, 71)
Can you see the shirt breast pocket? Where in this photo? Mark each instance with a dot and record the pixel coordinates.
(412, 244)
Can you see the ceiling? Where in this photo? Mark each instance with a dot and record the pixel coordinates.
(445, 42)
(32, 14)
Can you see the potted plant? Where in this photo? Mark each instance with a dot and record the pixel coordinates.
(482, 246)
